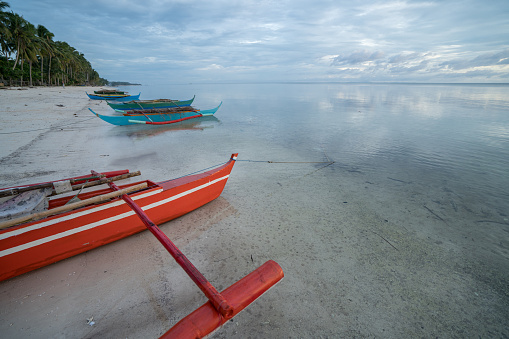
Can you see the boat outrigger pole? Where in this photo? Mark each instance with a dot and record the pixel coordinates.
(221, 306)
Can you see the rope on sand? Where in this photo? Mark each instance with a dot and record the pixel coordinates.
(41, 129)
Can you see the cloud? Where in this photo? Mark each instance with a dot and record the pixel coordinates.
(357, 57)
(423, 65)
(212, 67)
(393, 6)
(404, 57)
(369, 40)
(431, 65)
(486, 59)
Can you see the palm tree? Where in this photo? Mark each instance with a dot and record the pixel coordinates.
(47, 47)
(32, 48)
(73, 65)
(65, 58)
(4, 20)
(19, 34)
(23, 34)
(5, 34)
(61, 58)
(4, 17)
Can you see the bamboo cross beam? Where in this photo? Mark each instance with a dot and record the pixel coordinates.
(106, 180)
(18, 190)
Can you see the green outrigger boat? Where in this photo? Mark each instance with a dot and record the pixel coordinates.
(149, 104)
(158, 116)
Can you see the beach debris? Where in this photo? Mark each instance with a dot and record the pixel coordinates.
(387, 241)
(398, 180)
(436, 215)
(90, 321)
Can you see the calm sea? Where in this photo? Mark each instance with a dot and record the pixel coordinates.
(435, 134)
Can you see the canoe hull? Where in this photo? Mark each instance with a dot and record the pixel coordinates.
(36, 244)
(115, 97)
(122, 120)
(148, 104)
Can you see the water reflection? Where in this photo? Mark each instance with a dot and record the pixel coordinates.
(138, 132)
(453, 132)
(458, 133)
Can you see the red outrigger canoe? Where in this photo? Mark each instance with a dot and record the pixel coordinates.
(39, 243)
(31, 245)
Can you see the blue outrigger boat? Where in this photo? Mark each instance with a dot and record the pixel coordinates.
(162, 116)
(149, 104)
(116, 97)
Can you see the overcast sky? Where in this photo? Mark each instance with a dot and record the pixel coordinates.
(181, 41)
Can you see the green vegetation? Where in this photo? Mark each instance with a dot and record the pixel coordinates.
(29, 56)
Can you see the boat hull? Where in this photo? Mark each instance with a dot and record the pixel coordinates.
(133, 119)
(115, 97)
(36, 244)
(148, 104)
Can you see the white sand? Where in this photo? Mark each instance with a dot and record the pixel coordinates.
(362, 257)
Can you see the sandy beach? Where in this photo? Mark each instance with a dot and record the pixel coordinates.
(363, 257)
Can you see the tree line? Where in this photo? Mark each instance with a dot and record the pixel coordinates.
(30, 56)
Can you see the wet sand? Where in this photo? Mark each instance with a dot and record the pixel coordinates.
(364, 254)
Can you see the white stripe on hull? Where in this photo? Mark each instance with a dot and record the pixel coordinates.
(74, 215)
(98, 223)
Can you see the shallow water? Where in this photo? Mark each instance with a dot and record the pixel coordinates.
(413, 211)
(425, 133)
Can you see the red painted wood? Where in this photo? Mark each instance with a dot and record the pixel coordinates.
(205, 286)
(207, 319)
(41, 255)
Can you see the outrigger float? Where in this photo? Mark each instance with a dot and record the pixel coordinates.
(68, 228)
(159, 116)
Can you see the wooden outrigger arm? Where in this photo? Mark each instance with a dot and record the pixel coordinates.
(221, 306)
